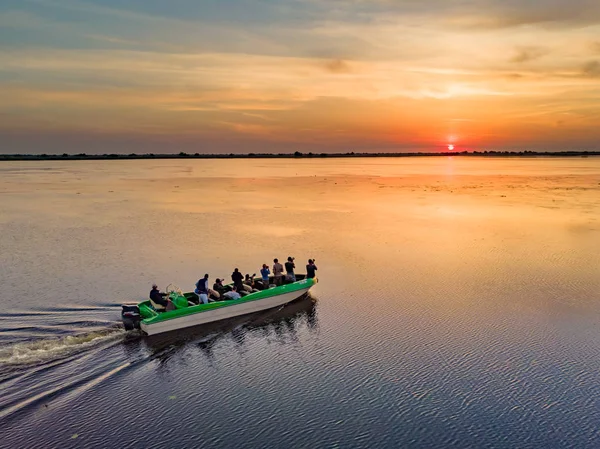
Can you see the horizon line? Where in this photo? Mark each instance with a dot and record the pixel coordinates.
(294, 155)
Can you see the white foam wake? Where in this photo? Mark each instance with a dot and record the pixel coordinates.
(52, 348)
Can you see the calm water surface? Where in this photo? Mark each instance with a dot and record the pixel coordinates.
(458, 303)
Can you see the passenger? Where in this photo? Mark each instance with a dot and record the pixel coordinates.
(277, 272)
(249, 284)
(237, 279)
(310, 269)
(218, 287)
(202, 289)
(289, 268)
(233, 294)
(158, 300)
(264, 273)
(202, 285)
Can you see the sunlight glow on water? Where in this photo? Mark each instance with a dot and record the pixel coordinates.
(456, 306)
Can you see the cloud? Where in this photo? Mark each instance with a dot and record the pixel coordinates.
(591, 69)
(338, 66)
(22, 19)
(113, 39)
(489, 14)
(528, 54)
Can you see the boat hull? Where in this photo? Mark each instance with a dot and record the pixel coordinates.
(222, 313)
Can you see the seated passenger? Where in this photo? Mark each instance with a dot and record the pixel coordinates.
(218, 287)
(158, 300)
(233, 294)
(249, 283)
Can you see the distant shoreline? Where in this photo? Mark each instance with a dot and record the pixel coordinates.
(296, 155)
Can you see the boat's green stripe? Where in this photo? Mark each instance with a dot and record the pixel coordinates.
(154, 317)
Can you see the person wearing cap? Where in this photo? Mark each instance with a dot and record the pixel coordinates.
(158, 300)
(289, 268)
(277, 272)
(310, 269)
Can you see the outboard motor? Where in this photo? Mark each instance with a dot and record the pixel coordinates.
(131, 316)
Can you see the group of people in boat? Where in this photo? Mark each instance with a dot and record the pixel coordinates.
(242, 285)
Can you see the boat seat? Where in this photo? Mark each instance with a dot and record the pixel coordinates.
(157, 307)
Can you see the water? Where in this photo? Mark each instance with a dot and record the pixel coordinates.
(457, 305)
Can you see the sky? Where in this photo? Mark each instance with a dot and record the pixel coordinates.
(239, 76)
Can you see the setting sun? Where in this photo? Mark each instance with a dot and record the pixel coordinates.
(450, 147)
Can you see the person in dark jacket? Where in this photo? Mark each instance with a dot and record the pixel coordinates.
(238, 279)
(289, 268)
(310, 269)
(158, 298)
(202, 290)
(202, 285)
(219, 287)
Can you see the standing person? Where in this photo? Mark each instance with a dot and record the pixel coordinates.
(277, 272)
(310, 269)
(265, 272)
(237, 279)
(202, 289)
(202, 285)
(289, 268)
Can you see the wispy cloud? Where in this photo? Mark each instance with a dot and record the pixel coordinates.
(338, 66)
(528, 54)
(591, 69)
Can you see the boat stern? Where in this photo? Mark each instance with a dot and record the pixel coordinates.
(131, 317)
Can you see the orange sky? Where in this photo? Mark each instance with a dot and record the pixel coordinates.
(315, 75)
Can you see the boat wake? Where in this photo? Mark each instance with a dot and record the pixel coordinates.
(47, 323)
(45, 334)
(49, 349)
(54, 353)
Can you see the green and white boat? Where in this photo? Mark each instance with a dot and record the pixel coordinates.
(186, 314)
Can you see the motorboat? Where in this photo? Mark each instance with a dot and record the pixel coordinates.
(187, 312)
